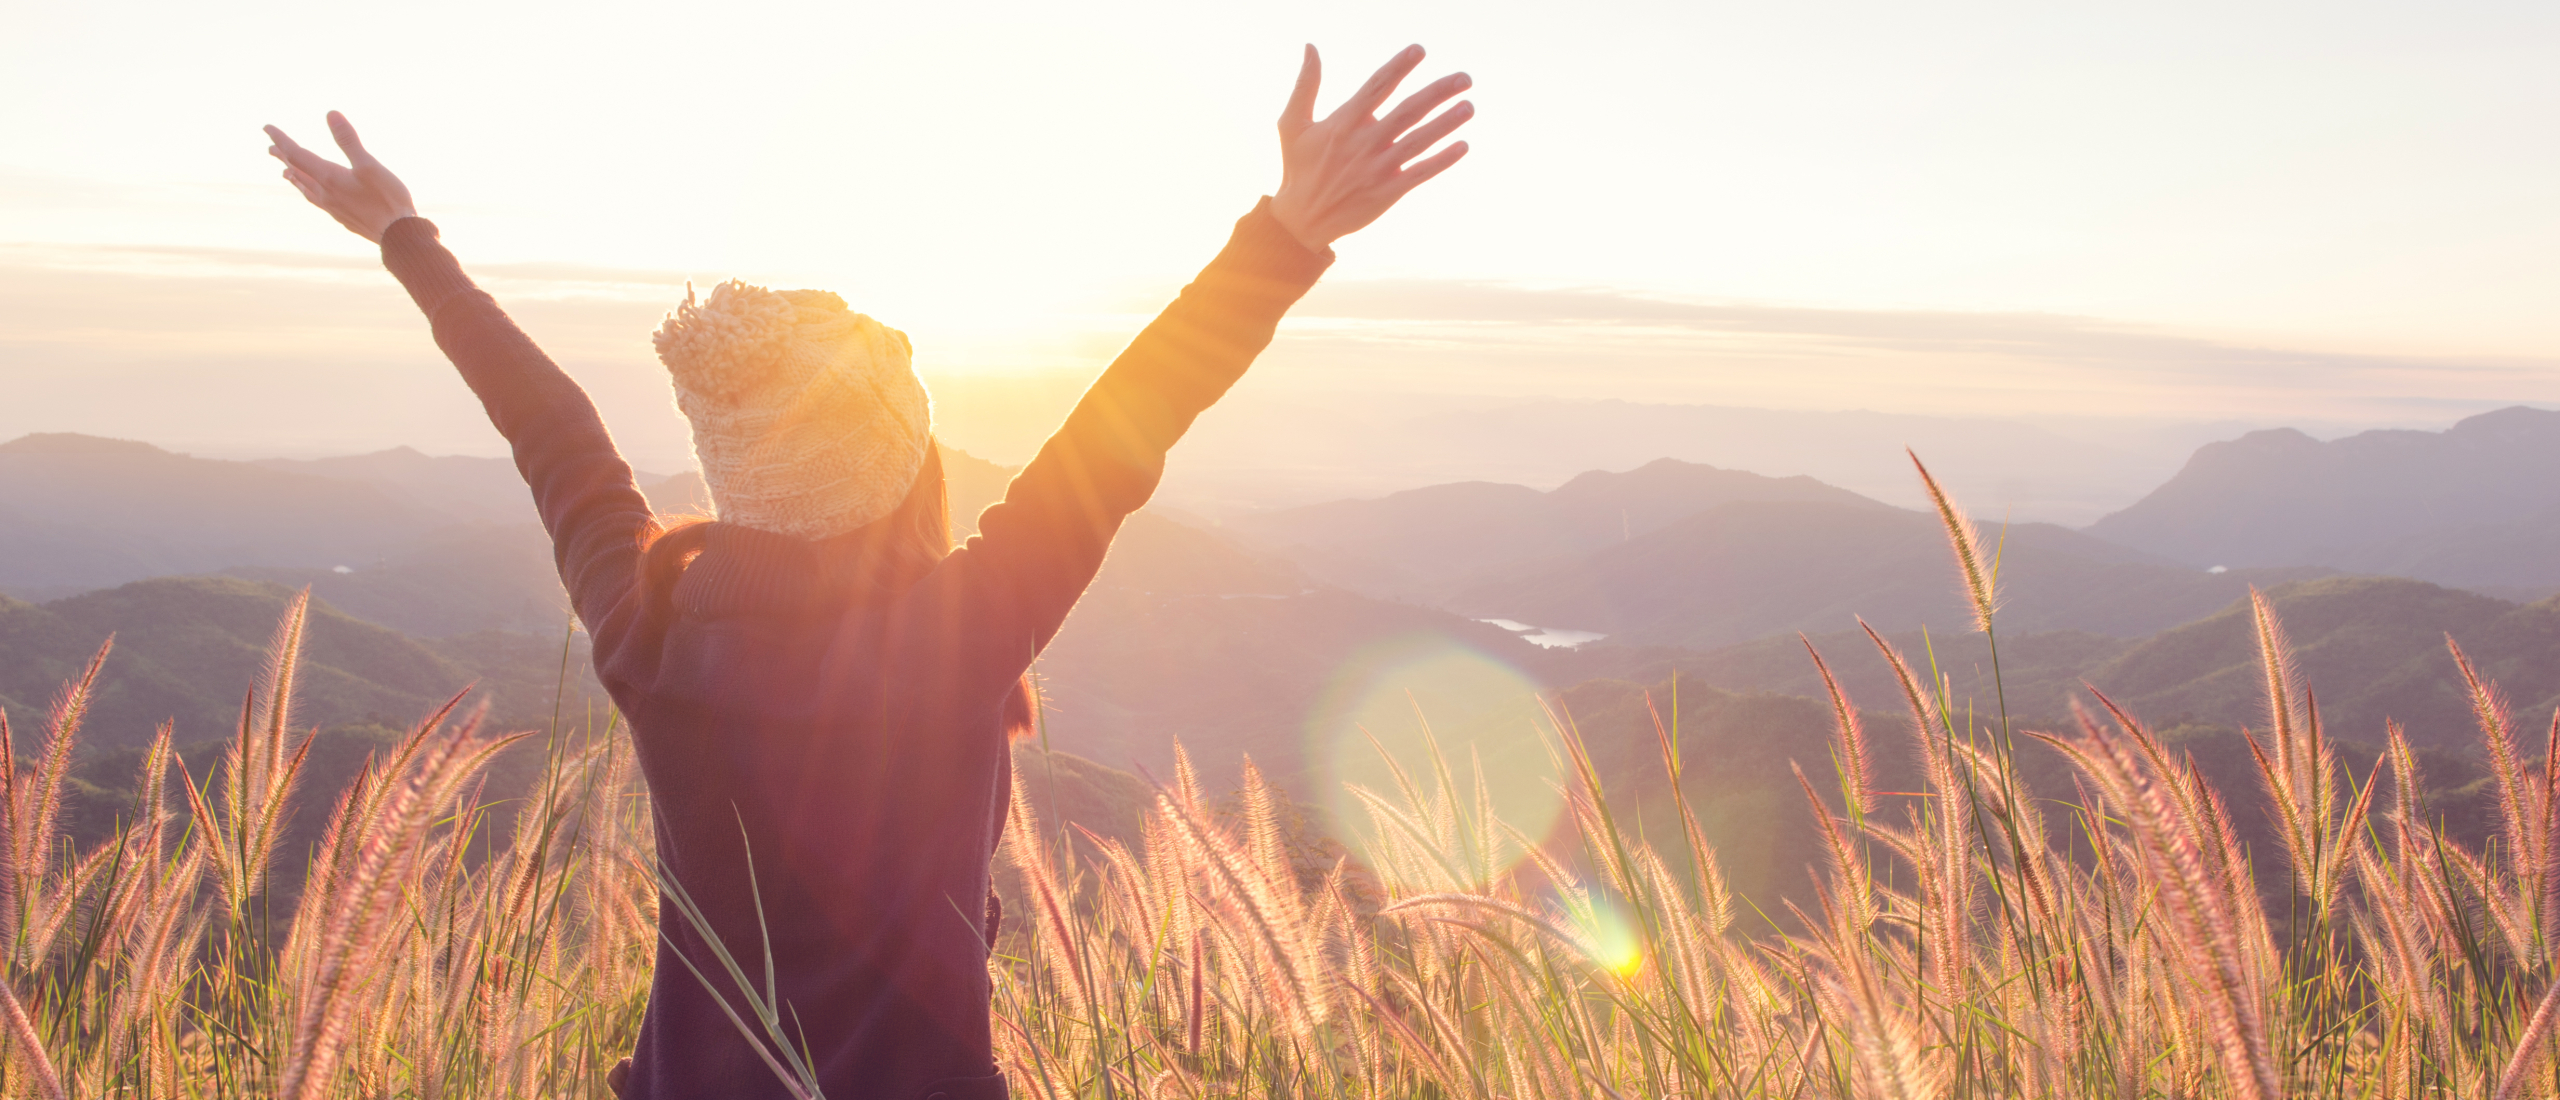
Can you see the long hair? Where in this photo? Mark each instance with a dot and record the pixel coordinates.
(905, 543)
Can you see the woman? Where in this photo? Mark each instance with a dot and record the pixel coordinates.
(818, 685)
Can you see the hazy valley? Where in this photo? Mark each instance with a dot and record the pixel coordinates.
(1244, 636)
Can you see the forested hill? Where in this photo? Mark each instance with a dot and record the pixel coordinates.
(186, 648)
(2371, 649)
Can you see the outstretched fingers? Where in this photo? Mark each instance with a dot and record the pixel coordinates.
(1301, 111)
(1422, 171)
(1382, 83)
(1424, 102)
(362, 195)
(1339, 173)
(291, 152)
(1430, 133)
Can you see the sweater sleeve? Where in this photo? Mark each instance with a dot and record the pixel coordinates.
(1046, 539)
(581, 486)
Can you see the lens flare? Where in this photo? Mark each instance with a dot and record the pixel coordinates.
(1411, 694)
(1613, 937)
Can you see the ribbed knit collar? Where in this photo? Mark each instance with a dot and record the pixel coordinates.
(744, 571)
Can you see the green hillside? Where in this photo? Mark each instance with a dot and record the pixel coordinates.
(2371, 648)
(187, 647)
(1747, 570)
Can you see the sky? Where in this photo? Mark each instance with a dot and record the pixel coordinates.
(2338, 215)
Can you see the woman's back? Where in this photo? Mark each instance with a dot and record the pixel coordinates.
(829, 773)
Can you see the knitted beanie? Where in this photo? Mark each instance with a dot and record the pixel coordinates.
(808, 418)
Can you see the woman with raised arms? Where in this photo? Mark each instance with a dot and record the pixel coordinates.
(817, 680)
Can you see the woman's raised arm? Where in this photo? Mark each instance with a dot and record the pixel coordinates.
(1048, 536)
(580, 483)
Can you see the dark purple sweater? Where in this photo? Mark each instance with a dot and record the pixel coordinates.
(840, 724)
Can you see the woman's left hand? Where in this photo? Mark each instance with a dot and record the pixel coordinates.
(362, 194)
(1339, 174)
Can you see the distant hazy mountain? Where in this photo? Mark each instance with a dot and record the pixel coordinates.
(460, 486)
(429, 545)
(78, 512)
(1274, 448)
(1743, 570)
(1425, 544)
(2474, 505)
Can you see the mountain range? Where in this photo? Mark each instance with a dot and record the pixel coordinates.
(2474, 506)
(1256, 637)
(432, 546)
(1423, 544)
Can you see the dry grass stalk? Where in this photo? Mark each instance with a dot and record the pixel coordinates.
(1980, 578)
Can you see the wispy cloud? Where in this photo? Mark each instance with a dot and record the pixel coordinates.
(194, 262)
(2039, 335)
(2008, 363)
(228, 347)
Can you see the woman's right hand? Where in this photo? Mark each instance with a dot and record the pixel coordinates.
(362, 194)
(1339, 174)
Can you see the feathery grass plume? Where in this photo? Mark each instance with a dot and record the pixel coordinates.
(1262, 825)
(1057, 937)
(1241, 888)
(1848, 869)
(1849, 741)
(1563, 933)
(1944, 856)
(1981, 581)
(31, 811)
(2301, 775)
(1715, 898)
(28, 1046)
(1888, 1062)
(356, 912)
(2521, 808)
(2521, 1066)
(2275, 665)
(258, 775)
(2199, 908)
(2547, 895)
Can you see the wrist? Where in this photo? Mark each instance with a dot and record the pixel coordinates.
(1291, 220)
(383, 228)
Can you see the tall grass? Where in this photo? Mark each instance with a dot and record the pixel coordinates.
(413, 961)
(1970, 938)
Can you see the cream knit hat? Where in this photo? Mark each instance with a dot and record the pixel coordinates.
(808, 418)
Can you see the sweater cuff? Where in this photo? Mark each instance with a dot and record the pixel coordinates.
(1263, 241)
(416, 258)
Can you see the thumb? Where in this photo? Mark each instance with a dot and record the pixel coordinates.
(345, 132)
(1301, 111)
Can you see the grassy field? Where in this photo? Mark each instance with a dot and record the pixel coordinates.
(1965, 938)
